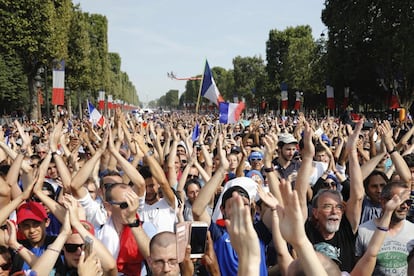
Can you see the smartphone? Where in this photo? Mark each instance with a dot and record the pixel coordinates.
(88, 249)
(198, 238)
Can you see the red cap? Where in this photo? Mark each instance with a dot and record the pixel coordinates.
(31, 210)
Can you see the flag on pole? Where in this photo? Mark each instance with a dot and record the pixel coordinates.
(284, 95)
(110, 102)
(209, 88)
(330, 100)
(230, 112)
(196, 133)
(101, 100)
(95, 116)
(58, 91)
(297, 101)
(394, 102)
(346, 97)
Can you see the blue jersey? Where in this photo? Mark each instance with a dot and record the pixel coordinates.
(226, 255)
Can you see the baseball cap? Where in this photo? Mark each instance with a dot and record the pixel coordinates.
(245, 185)
(31, 210)
(235, 149)
(287, 138)
(256, 176)
(328, 250)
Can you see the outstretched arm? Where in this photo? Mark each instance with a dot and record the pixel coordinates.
(356, 194)
(207, 192)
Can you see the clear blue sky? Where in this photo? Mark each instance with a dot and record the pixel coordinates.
(159, 36)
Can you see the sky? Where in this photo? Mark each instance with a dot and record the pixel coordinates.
(159, 36)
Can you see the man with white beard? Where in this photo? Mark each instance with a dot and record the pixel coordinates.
(331, 222)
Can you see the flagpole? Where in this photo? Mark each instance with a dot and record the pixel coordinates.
(199, 90)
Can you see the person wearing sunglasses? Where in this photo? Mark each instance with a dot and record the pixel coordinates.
(392, 257)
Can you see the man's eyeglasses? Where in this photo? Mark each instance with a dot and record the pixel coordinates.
(329, 207)
(6, 266)
(122, 205)
(161, 263)
(73, 247)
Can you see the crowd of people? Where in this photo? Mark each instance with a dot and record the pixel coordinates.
(280, 196)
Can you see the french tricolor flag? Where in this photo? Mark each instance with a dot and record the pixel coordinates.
(230, 112)
(58, 92)
(95, 116)
(330, 100)
(209, 88)
(284, 95)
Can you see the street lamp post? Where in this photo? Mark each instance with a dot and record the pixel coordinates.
(38, 86)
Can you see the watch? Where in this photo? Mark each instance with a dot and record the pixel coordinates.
(137, 223)
(58, 152)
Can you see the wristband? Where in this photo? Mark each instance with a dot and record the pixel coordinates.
(18, 249)
(385, 229)
(392, 151)
(271, 169)
(137, 223)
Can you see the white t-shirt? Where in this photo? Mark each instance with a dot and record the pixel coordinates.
(160, 214)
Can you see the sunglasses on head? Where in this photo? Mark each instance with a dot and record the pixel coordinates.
(6, 266)
(122, 205)
(72, 247)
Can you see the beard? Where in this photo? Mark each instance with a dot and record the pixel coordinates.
(332, 226)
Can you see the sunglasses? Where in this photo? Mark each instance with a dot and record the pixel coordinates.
(6, 266)
(184, 161)
(408, 202)
(192, 176)
(329, 184)
(256, 159)
(72, 247)
(122, 205)
(34, 166)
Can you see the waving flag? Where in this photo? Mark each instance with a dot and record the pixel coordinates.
(95, 116)
(346, 97)
(209, 88)
(230, 112)
(298, 101)
(101, 100)
(284, 95)
(330, 100)
(58, 92)
(196, 133)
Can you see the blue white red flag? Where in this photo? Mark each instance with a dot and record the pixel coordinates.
(95, 116)
(58, 91)
(230, 112)
(209, 88)
(196, 133)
